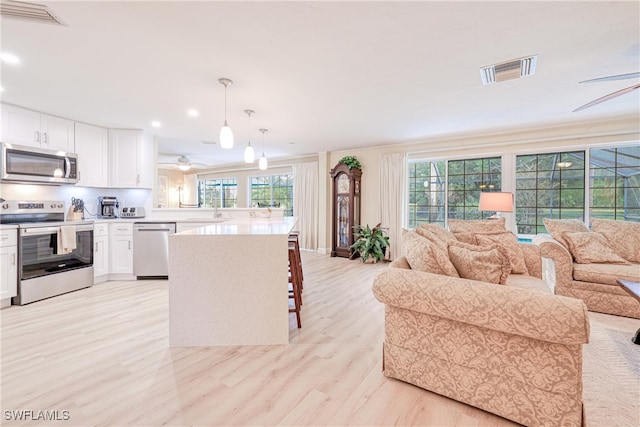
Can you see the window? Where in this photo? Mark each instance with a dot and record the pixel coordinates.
(428, 189)
(466, 180)
(614, 183)
(273, 191)
(222, 192)
(549, 185)
(426, 192)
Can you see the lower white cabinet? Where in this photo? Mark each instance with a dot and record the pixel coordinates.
(8, 266)
(100, 253)
(121, 249)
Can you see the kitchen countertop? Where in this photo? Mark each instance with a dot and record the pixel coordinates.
(8, 226)
(245, 226)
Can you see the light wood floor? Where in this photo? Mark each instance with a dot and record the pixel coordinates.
(103, 355)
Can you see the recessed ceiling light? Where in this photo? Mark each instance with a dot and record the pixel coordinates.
(9, 58)
(193, 113)
(156, 124)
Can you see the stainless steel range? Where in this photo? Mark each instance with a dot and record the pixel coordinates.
(54, 256)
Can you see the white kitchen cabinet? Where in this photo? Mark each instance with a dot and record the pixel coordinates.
(121, 249)
(131, 156)
(92, 147)
(27, 127)
(100, 252)
(8, 266)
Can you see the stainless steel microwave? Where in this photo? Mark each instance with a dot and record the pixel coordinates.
(21, 163)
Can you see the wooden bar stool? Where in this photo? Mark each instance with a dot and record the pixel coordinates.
(294, 283)
(293, 238)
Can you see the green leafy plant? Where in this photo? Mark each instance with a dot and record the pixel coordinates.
(370, 242)
(351, 162)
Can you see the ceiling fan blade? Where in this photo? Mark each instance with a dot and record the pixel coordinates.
(608, 97)
(608, 78)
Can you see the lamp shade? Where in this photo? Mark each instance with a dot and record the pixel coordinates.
(249, 154)
(226, 137)
(262, 163)
(496, 202)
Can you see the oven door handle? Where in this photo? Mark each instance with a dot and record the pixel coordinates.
(49, 230)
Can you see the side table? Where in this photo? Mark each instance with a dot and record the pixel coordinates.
(633, 288)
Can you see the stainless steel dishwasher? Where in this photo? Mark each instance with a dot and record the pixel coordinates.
(151, 249)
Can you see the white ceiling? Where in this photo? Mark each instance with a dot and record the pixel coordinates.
(321, 76)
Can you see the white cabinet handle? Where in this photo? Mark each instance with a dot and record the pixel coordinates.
(138, 179)
(45, 139)
(13, 259)
(96, 246)
(4, 238)
(129, 244)
(37, 136)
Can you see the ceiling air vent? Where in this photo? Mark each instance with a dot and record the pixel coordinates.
(28, 12)
(509, 70)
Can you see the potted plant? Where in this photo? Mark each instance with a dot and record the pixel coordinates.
(351, 162)
(370, 242)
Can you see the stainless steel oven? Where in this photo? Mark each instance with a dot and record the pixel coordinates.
(54, 257)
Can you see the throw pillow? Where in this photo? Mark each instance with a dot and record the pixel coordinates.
(623, 236)
(509, 242)
(482, 263)
(476, 226)
(555, 227)
(588, 248)
(424, 255)
(439, 231)
(469, 238)
(432, 237)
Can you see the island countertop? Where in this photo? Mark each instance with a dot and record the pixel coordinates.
(246, 226)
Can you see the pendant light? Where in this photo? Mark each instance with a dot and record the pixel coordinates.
(226, 135)
(262, 163)
(249, 153)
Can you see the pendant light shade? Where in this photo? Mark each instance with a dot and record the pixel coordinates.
(262, 163)
(226, 135)
(249, 153)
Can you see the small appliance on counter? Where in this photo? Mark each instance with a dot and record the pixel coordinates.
(136, 212)
(107, 207)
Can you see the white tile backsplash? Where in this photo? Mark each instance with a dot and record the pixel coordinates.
(28, 192)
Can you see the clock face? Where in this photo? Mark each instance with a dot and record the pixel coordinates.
(343, 184)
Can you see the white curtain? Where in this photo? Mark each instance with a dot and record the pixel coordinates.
(305, 203)
(393, 190)
(190, 194)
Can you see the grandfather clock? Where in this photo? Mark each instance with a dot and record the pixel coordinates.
(346, 208)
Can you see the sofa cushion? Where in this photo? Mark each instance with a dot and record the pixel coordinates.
(524, 281)
(429, 235)
(587, 248)
(482, 263)
(623, 236)
(424, 255)
(509, 241)
(555, 227)
(476, 226)
(606, 273)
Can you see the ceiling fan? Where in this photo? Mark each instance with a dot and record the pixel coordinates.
(611, 95)
(183, 163)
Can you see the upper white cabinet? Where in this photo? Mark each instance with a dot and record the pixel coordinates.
(26, 127)
(131, 154)
(92, 147)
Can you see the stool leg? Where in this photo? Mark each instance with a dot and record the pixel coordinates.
(295, 286)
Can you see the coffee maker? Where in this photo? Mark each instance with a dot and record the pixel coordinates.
(107, 207)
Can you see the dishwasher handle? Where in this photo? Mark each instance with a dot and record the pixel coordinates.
(145, 226)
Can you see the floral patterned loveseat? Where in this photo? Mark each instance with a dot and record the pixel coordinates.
(513, 349)
(588, 263)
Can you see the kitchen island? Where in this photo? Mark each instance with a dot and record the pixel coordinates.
(228, 283)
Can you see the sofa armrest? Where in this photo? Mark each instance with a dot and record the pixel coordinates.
(562, 259)
(523, 312)
(532, 259)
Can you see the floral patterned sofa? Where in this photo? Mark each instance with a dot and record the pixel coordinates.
(513, 349)
(588, 263)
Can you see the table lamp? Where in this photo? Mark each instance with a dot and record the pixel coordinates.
(496, 202)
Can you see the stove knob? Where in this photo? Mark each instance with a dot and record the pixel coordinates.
(53, 205)
(5, 206)
(60, 205)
